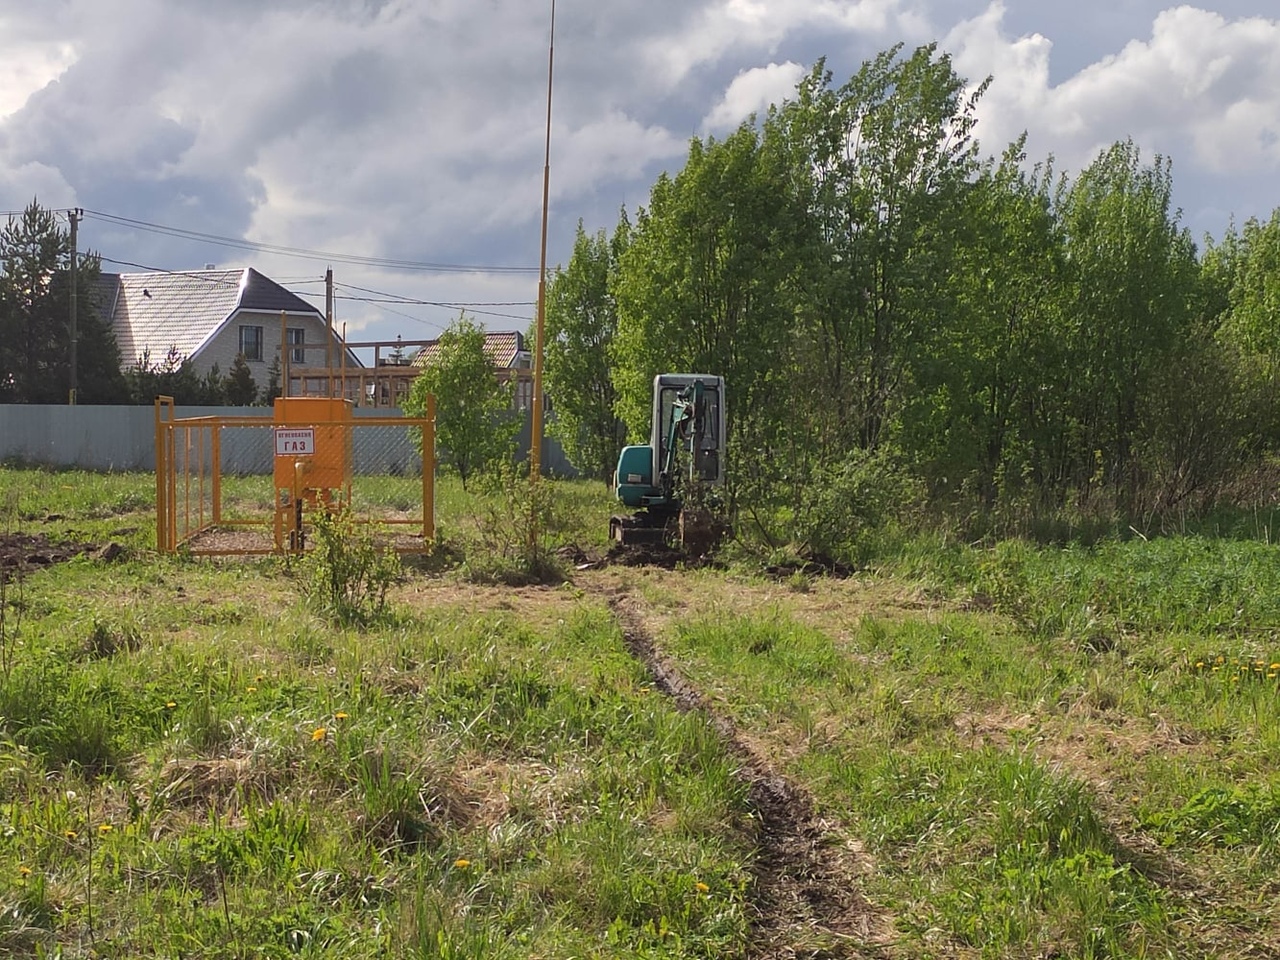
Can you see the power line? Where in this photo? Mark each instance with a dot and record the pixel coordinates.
(378, 301)
(433, 303)
(302, 252)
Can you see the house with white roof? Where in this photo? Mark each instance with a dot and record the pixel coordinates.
(210, 316)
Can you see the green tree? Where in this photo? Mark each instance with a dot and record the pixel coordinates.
(240, 389)
(272, 389)
(881, 165)
(581, 323)
(475, 426)
(1250, 264)
(699, 285)
(979, 399)
(35, 305)
(1129, 296)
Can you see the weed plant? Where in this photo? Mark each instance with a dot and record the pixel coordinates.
(348, 573)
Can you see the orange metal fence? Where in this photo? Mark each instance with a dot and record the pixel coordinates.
(253, 485)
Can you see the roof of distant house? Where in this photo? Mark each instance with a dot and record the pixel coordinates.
(183, 310)
(504, 349)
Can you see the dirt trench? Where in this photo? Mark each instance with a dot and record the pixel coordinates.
(805, 888)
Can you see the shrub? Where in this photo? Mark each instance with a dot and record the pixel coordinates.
(852, 500)
(348, 572)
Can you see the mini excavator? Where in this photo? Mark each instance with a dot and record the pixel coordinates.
(670, 482)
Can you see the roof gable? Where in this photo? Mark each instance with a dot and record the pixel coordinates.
(153, 313)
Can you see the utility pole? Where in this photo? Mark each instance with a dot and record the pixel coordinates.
(328, 329)
(535, 421)
(74, 216)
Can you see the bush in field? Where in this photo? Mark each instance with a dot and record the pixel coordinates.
(857, 496)
(516, 532)
(349, 574)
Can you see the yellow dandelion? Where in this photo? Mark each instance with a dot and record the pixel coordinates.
(341, 715)
(1275, 666)
(69, 834)
(1216, 669)
(170, 705)
(24, 871)
(250, 689)
(462, 863)
(1235, 679)
(1199, 664)
(318, 734)
(1271, 675)
(105, 828)
(259, 678)
(701, 887)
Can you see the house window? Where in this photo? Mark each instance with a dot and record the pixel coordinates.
(297, 337)
(251, 343)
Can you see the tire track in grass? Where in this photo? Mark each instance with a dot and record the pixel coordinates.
(805, 894)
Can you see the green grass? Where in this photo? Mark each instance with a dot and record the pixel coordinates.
(1068, 751)
(195, 763)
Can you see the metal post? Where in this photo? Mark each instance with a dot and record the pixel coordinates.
(429, 472)
(74, 216)
(535, 423)
(284, 355)
(328, 329)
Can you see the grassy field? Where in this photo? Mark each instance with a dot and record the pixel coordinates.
(1013, 751)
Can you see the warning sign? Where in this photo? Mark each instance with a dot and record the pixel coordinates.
(291, 443)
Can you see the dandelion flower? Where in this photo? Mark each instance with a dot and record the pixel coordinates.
(701, 887)
(69, 834)
(341, 715)
(105, 828)
(259, 678)
(24, 871)
(1199, 664)
(1275, 666)
(170, 705)
(461, 863)
(250, 689)
(318, 734)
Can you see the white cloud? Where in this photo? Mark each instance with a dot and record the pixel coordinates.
(1199, 81)
(414, 130)
(713, 30)
(753, 91)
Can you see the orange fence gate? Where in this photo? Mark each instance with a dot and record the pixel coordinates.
(253, 485)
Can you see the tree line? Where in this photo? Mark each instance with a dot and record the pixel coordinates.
(35, 332)
(902, 318)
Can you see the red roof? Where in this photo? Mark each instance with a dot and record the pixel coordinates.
(502, 348)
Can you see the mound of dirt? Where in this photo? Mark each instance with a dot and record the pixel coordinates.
(23, 551)
(644, 555)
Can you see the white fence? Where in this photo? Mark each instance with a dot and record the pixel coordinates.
(119, 438)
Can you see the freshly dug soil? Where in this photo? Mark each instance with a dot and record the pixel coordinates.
(25, 551)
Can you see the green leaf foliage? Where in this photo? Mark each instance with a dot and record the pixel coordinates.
(581, 323)
(35, 310)
(475, 428)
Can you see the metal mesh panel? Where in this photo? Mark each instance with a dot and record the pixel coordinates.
(254, 485)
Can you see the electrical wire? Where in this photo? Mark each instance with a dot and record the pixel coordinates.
(302, 252)
(379, 302)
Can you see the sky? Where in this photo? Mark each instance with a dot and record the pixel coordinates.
(351, 133)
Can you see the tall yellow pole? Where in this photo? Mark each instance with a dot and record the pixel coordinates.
(535, 421)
